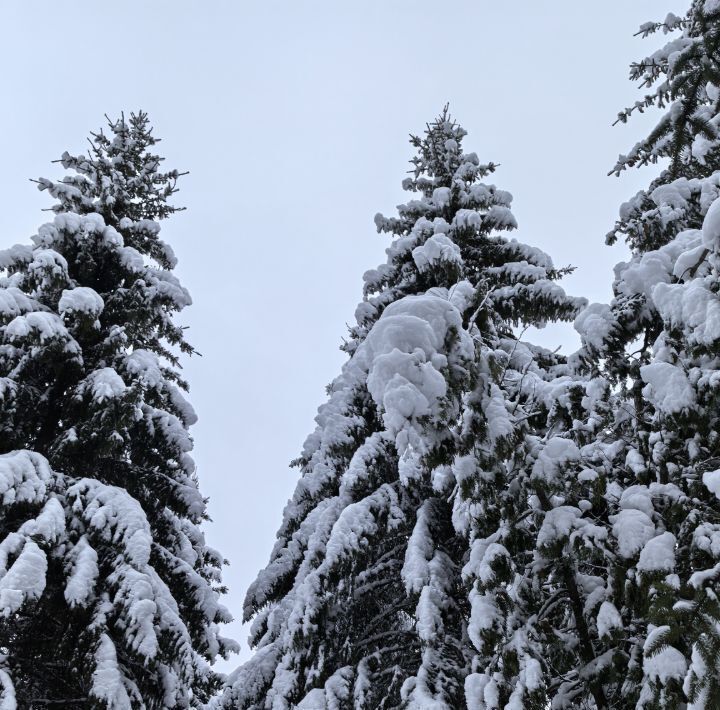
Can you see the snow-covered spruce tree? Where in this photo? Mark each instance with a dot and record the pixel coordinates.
(658, 344)
(364, 603)
(109, 596)
(569, 594)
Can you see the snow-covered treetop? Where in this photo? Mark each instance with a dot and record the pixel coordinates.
(452, 237)
(439, 157)
(683, 77)
(120, 179)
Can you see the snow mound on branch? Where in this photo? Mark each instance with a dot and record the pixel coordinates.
(107, 679)
(432, 601)
(557, 525)
(499, 422)
(16, 253)
(637, 498)
(131, 259)
(82, 299)
(666, 663)
(84, 573)
(493, 552)
(484, 614)
(667, 387)
(461, 295)
(7, 690)
(542, 289)
(115, 516)
(337, 690)
(404, 357)
(46, 325)
(24, 477)
(145, 364)
(478, 549)
(608, 618)
(692, 307)
(594, 324)
(357, 470)
(166, 285)
(635, 462)
(441, 196)
(47, 262)
(633, 529)
(530, 679)
(436, 248)
(690, 262)
(640, 497)
(48, 525)
(556, 454)
(104, 384)
(13, 302)
(659, 267)
(26, 577)
(149, 611)
(420, 548)
(480, 691)
(314, 700)
(658, 554)
(641, 277)
(675, 194)
(354, 525)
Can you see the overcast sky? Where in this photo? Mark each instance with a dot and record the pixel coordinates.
(292, 118)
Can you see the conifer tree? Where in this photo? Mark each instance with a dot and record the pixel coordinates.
(577, 538)
(109, 596)
(657, 345)
(368, 598)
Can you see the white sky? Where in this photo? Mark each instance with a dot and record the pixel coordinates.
(292, 118)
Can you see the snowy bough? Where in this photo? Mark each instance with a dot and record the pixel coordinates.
(109, 596)
(372, 596)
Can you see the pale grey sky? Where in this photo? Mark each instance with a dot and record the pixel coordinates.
(292, 118)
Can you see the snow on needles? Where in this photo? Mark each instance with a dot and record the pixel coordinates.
(82, 299)
(667, 387)
(104, 384)
(658, 554)
(24, 477)
(594, 324)
(436, 248)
